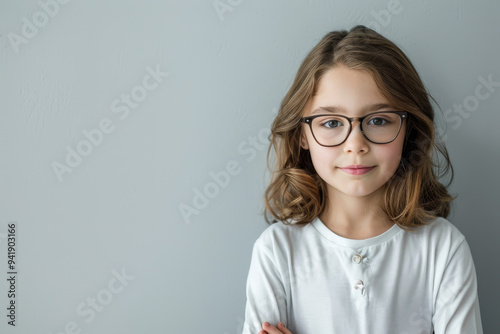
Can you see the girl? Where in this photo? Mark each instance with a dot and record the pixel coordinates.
(362, 244)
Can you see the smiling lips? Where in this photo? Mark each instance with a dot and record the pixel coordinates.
(357, 169)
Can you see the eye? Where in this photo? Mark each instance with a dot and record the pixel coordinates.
(379, 121)
(331, 124)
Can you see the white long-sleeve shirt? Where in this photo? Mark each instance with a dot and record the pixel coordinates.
(399, 282)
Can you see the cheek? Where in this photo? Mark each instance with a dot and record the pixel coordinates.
(323, 158)
(390, 156)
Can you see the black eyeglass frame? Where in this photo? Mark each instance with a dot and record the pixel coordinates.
(402, 116)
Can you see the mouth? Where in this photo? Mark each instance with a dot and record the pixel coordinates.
(357, 169)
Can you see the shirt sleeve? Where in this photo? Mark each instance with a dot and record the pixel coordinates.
(266, 297)
(457, 303)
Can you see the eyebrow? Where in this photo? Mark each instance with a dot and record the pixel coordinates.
(340, 110)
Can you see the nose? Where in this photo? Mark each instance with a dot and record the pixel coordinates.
(356, 141)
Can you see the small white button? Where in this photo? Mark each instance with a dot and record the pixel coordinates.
(357, 258)
(359, 285)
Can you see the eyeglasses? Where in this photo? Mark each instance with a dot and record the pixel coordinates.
(379, 127)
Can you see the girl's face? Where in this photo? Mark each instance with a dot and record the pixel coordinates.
(353, 92)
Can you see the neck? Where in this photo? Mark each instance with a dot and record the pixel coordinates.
(355, 217)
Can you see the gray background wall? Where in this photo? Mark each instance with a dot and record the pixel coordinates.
(102, 246)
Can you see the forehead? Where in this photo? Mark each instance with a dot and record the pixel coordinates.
(350, 92)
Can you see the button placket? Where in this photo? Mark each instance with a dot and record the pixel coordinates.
(358, 284)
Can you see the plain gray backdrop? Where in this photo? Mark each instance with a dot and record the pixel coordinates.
(134, 138)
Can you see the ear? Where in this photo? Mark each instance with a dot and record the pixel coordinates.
(303, 141)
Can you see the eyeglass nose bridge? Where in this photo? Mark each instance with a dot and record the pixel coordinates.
(351, 126)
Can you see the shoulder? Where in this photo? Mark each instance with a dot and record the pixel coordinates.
(281, 236)
(440, 230)
(281, 231)
(439, 236)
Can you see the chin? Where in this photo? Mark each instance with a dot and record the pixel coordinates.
(352, 192)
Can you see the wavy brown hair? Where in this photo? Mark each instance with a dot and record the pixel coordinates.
(413, 195)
